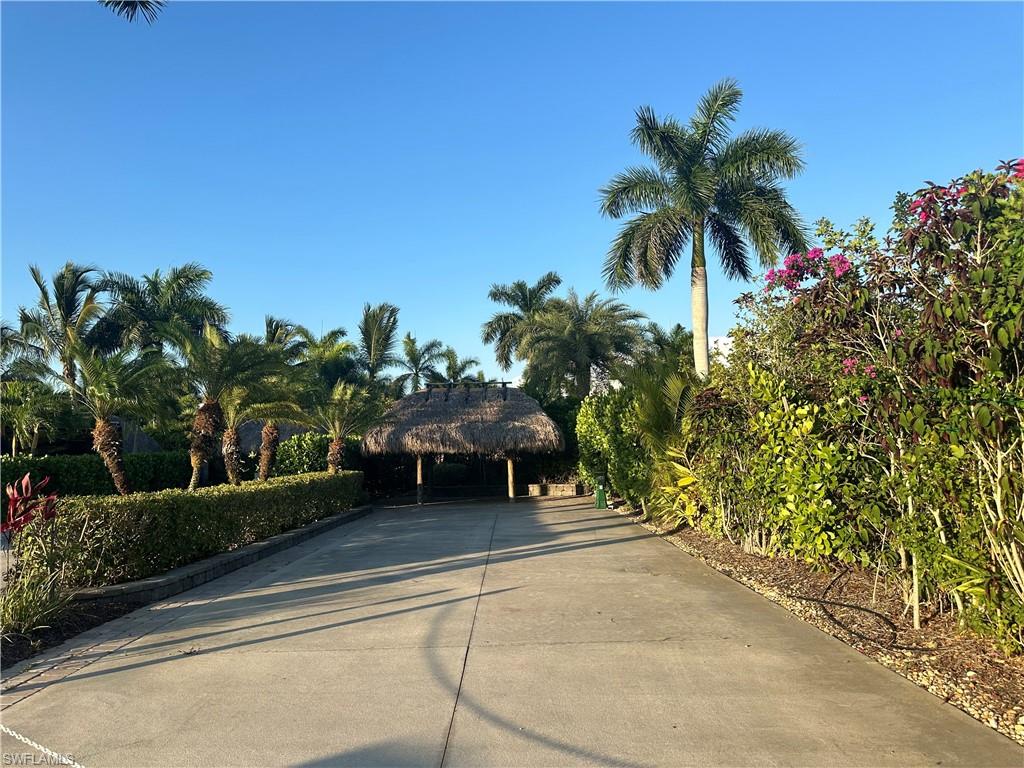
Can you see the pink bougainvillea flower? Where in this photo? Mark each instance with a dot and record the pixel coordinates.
(850, 365)
(770, 277)
(923, 216)
(840, 264)
(897, 333)
(814, 254)
(862, 399)
(916, 204)
(1018, 169)
(869, 371)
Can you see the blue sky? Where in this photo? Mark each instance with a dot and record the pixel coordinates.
(317, 156)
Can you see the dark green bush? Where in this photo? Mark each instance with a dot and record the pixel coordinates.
(449, 473)
(85, 474)
(122, 538)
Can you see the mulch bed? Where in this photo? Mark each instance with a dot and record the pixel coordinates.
(78, 619)
(956, 665)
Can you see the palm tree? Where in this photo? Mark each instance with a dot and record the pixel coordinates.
(62, 318)
(418, 362)
(505, 329)
(578, 336)
(673, 346)
(29, 409)
(214, 364)
(378, 330)
(705, 184)
(293, 342)
(270, 400)
(132, 9)
(340, 411)
(457, 368)
(117, 384)
(329, 357)
(142, 305)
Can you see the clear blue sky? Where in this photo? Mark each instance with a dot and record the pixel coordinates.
(317, 156)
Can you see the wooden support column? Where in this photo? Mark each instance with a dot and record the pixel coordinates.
(511, 481)
(419, 479)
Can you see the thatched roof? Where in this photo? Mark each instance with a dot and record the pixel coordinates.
(492, 421)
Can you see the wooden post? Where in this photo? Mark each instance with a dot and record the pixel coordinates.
(419, 479)
(511, 481)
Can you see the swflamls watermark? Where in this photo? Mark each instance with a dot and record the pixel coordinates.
(31, 758)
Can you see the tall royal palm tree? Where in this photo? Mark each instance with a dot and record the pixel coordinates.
(577, 336)
(505, 329)
(62, 316)
(116, 384)
(340, 411)
(705, 185)
(378, 334)
(419, 362)
(140, 306)
(213, 364)
(457, 368)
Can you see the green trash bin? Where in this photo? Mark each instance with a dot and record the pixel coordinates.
(600, 498)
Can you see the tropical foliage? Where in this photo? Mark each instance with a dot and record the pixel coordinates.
(871, 411)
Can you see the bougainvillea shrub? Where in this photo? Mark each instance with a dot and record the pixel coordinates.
(871, 408)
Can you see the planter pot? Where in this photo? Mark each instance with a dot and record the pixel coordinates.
(556, 489)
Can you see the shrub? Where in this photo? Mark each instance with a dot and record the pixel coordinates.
(449, 473)
(610, 444)
(124, 538)
(871, 410)
(85, 473)
(304, 452)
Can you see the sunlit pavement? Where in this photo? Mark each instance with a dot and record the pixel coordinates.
(533, 634)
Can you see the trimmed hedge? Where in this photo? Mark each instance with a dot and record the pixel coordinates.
(143, 534)
(85, 474)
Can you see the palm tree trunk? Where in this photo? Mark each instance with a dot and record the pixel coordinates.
(583, 380)
(205, 427)
(106, 440)
(35, 441)
(270, 437)
(14, 443)
(232, 450)
(699, 302)
(335, 451)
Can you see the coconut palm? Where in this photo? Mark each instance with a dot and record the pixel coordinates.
(140, 306)
(329, 357)
(63, 316)
(17, 356)
(577, 336)
(457, 368)
(270, 400)
(505, 329)
(378, 331)
(340, 411)
(419, 362)
(116, 384)
(132, 9)
(213, 363)
(705, 185)
(286, 336)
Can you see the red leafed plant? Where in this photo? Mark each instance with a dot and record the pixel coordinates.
(25, 503)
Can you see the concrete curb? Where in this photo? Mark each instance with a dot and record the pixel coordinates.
(186, 577)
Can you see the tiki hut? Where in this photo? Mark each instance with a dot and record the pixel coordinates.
(493, 420)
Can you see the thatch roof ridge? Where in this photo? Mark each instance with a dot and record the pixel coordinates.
(492, 421)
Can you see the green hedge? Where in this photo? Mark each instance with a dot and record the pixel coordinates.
(85, 474)
(143, 534)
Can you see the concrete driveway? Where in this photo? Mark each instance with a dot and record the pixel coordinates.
(482, 634)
